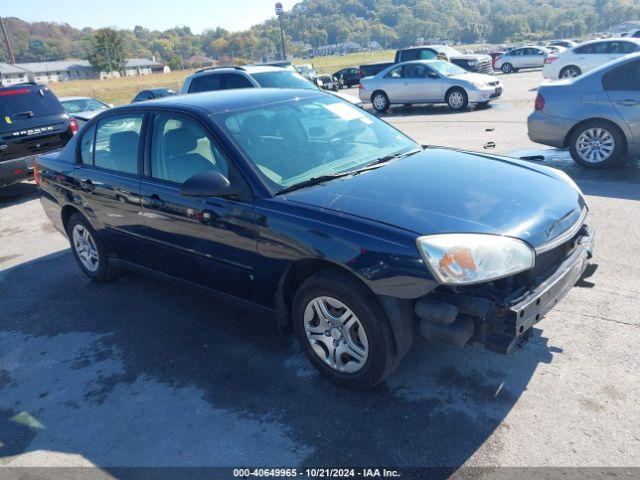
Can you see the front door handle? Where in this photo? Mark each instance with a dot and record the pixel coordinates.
(153, 201)
(629, 102)
(87, 184)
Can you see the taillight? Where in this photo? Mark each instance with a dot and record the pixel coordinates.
(36, 172)
(73, 125)
(361, 87)
(539, 102)
(549, 60)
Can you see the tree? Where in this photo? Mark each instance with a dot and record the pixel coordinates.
(108, 53)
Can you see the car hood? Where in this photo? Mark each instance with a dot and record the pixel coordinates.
(475, 77)
(472, 56)
(445, 191)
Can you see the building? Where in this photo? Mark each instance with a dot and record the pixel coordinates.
(12, 75)
(65, 70)
(143, 66)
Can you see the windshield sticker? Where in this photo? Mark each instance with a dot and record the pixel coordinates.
(8, 119)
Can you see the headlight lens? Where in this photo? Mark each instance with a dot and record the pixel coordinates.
(464, 258)
(479, 84)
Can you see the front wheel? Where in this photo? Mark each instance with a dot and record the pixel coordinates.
(380, 102)
(343, 330)
(457, 99)
(596, 144)
(89, 251)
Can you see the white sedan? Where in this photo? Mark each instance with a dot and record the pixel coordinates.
(428, 81)
(587, 56)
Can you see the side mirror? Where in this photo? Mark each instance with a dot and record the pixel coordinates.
(210, 183)
(432, 75)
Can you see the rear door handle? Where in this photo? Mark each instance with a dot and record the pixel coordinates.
(153, 201)
(629, 102)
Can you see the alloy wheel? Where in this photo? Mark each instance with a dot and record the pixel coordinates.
(336, 335)
(570, 73)
(456, 100)
(379, 102)
(85, 248)
(595, 145)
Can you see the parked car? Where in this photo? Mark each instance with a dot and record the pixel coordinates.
(495, 55)
(251, 76)
(327, 82)
(428, 81)
(83, 109)
(305, 208)
(555, 49)
(348, 77)
(372, 69)
(523, 57)
(587, 56)
(153, 94)
(633, 33)
(478, 63)
(32, 122)
(596, 116)
(562, 43)
(307, 71)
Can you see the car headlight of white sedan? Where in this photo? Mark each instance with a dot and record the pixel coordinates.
(463, 258)
(479, 84)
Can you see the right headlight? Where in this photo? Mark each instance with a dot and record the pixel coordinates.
(466, 258)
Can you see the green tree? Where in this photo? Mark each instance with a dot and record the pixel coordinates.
(108, 53)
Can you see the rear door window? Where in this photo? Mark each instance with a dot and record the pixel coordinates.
(394, 73)
(118, 142)
(234, 80)
(206, 83)
(87, 143)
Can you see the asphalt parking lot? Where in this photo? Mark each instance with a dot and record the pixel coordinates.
(142, 372)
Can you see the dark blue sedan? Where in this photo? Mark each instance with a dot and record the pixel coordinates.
(306, 208)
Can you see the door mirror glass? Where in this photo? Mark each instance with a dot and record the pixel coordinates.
(432, 75)
(210, 183)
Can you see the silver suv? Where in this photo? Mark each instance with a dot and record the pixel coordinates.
(251, 76)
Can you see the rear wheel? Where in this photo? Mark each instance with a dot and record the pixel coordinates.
(507, 68)
(380, 101)
(343, 331)
(457, 99)
(89, 251)
(597, 144)
(570, 72)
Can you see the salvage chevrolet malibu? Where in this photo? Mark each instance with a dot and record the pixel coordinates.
(309, 209)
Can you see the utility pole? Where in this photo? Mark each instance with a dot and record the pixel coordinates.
(279, 13)
(12, 59)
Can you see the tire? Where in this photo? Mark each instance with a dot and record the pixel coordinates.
(369, 331)
(506, 68)
(95, 264)
(570, 72)
(457, 99)
(380, 101)
(606, 151)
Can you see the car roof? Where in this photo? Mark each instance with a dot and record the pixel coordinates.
(612, 39)
(226, 100)
(249, 69)
(66, 99)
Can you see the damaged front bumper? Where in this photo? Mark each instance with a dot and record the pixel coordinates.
(501, 324)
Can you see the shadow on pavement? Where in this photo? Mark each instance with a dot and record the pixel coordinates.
(17, 193)
(619, 182)
(142, 372)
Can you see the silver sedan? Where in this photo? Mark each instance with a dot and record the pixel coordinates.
(428, 81)
(596, 115)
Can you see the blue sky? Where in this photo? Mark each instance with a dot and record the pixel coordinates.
(156, 14)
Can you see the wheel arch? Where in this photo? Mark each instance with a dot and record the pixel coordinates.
(598, 119)
(399, 312)
(571, 65)
(379, 90)
(66, 212)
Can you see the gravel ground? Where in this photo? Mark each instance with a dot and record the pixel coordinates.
(142, 372)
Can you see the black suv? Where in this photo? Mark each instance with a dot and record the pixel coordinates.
(32, 122)
(472, 62)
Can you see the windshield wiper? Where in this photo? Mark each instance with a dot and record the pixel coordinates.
(312, 181)
(27, 114)
(387, 158)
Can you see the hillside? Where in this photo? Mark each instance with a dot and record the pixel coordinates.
(391, 23)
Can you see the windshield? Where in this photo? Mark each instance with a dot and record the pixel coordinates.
(293, 141)
(450, 51)
(446, 69)
(284, 79)
(82, 105)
